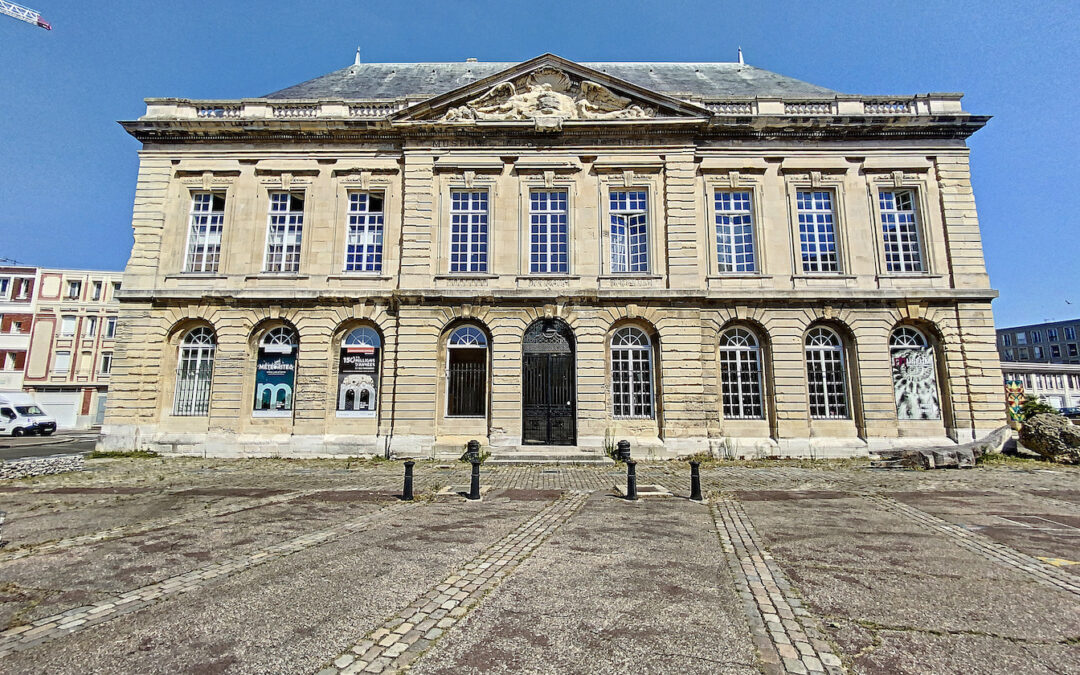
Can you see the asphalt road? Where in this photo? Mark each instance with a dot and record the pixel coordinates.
(62, 442)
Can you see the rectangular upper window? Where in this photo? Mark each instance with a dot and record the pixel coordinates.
(5, 282)
(90, 326)
(110, 327)
(1051, 335)
(817, 231)
(900, 229)
(469, 231)
(204, 232)
(74, 290)
(1021, 338)
(1036, 336)
(67, 325)
(548, 232)
(62, 364)
(285, 232)
(734, 231)
(106, 363)
(1070, 333)
(1006, 340)
(364, 247)
(95, 292)
(629, 212)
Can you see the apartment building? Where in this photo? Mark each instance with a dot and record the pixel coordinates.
(17, 302)
(72, 344)
(1052, 342)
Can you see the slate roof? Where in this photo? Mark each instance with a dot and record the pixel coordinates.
(693, 80)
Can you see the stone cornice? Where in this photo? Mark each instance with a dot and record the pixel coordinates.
(529, 296)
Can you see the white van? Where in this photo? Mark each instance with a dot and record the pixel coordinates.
(20, 416)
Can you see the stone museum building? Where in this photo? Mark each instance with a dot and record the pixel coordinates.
(399, 257)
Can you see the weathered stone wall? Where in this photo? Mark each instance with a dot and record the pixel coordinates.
(411, 413)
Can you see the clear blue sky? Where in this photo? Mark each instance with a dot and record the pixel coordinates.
(67, 170)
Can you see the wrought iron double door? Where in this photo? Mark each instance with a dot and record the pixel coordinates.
(548, 399)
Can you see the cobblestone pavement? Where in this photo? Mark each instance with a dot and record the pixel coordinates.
(397, 643)
(254, 566)
(787, 637)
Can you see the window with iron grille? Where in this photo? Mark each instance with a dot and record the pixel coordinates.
(631, 374)
(548, 233)
(466, 373)
(900, 228)
(629, 213)
(825, 374)
(285, 232)
(204, 232)
(740, 374)
(817, 231)
(364, 248)
(469, 231)
(194, 372)
(734, 231)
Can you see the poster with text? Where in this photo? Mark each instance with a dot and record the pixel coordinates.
(358, 379)
(915, 384)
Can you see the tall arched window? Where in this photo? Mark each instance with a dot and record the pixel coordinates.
(914, 371)
(466, 372)
(275, 372)
(740, 374)
(194, 372)
(358, 372)
(631, 374)
(825, 374)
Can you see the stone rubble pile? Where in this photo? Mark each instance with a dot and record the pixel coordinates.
(40, 466)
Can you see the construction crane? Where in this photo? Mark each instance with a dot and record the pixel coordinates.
(23, 14)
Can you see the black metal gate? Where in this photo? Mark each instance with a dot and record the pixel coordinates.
(549, 401)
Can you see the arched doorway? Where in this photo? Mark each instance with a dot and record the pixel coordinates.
(548, 394)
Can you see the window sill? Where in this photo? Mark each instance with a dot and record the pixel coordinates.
(548, 277)
(465, 275)
(360, 276)
(910, 275)
(271, 413)
(739, 275)
(466, 417)
(290, 276)
(195, 275)
(631, 275)
(825, 275)
(354, 414)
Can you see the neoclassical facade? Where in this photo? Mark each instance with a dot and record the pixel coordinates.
(397, 258)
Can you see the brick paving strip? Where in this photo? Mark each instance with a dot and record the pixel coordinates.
(51, 627)
(1040, 571)
(787, 636)
(405, 637)
(143, 527)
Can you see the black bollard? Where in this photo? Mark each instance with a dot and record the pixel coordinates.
(406, 494)
(631, 480)
(624, 451)
(695, 481)
(472, 450)
(474, 489)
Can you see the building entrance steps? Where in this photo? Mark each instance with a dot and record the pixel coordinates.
(548, 454)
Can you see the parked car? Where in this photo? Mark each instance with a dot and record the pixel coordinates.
(1071, 413)
(21, 416)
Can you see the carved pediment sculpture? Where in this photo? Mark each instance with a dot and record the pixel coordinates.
(548, 93)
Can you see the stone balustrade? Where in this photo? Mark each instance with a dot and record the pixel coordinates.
(839, 105)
